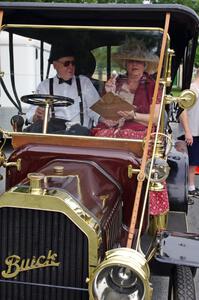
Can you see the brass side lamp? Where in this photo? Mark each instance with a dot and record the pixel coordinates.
(159, 171)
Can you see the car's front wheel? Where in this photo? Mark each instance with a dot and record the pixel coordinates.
(181, 284)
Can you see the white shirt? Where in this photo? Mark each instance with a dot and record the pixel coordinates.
(193, 113)
(72, 112)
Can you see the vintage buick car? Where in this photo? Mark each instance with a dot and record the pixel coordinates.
(75, 217)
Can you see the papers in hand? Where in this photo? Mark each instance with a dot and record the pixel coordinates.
(108, 106)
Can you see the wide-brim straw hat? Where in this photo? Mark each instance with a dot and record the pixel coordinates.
(134, 49)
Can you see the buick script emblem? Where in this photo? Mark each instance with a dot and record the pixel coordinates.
(16, 264)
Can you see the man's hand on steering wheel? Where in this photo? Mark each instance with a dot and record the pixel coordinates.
(42, 100)
(39, 114)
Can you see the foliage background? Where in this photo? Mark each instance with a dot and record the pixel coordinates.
(194, 4)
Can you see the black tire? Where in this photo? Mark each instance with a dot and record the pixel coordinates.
(193, 271)
(181, 284)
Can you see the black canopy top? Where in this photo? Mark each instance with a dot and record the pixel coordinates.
(184, 23)
(184, 20)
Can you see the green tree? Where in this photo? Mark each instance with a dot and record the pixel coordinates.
(194, 4)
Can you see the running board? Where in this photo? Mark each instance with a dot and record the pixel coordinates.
(178, 248)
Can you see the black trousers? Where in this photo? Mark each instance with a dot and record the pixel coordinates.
(57, 126)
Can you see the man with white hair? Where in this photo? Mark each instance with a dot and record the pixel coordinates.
(66, 84)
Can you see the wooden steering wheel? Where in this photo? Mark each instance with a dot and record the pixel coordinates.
(47, 101)
(43, 100)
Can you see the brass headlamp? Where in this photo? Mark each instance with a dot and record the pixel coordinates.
(123, 273)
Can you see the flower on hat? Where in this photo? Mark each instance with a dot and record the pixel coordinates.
(134, 49)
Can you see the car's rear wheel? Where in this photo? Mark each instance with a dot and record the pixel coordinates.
(181, 285)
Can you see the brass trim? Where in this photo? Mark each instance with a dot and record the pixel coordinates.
(47, 107)
(63, 203)
(35, 183)
(156, 186)
(104, 199)
(5, 163)
(186, 99)
(16, 164)
(171, 53)
(132, 171)
(59, 170)
(5, 26)
(158, 223)
(166, 62)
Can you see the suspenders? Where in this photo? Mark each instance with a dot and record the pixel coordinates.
(51, 93)
(79, 90)
(81, 108)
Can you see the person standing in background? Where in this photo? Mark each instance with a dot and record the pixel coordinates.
(189, 131)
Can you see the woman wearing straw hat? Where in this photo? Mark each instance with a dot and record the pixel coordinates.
(136, 87)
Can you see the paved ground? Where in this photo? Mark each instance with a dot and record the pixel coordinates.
(161, 284)
(193, 226)
(6, 114)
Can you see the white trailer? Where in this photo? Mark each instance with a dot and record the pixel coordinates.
(26, 54)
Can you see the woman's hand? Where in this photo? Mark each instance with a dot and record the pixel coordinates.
(110, 85)
(127, 115)
(121, 122)
(108, 123)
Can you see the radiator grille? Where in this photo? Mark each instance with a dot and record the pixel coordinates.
(28, 233)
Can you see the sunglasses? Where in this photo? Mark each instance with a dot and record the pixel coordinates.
(67, 63)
